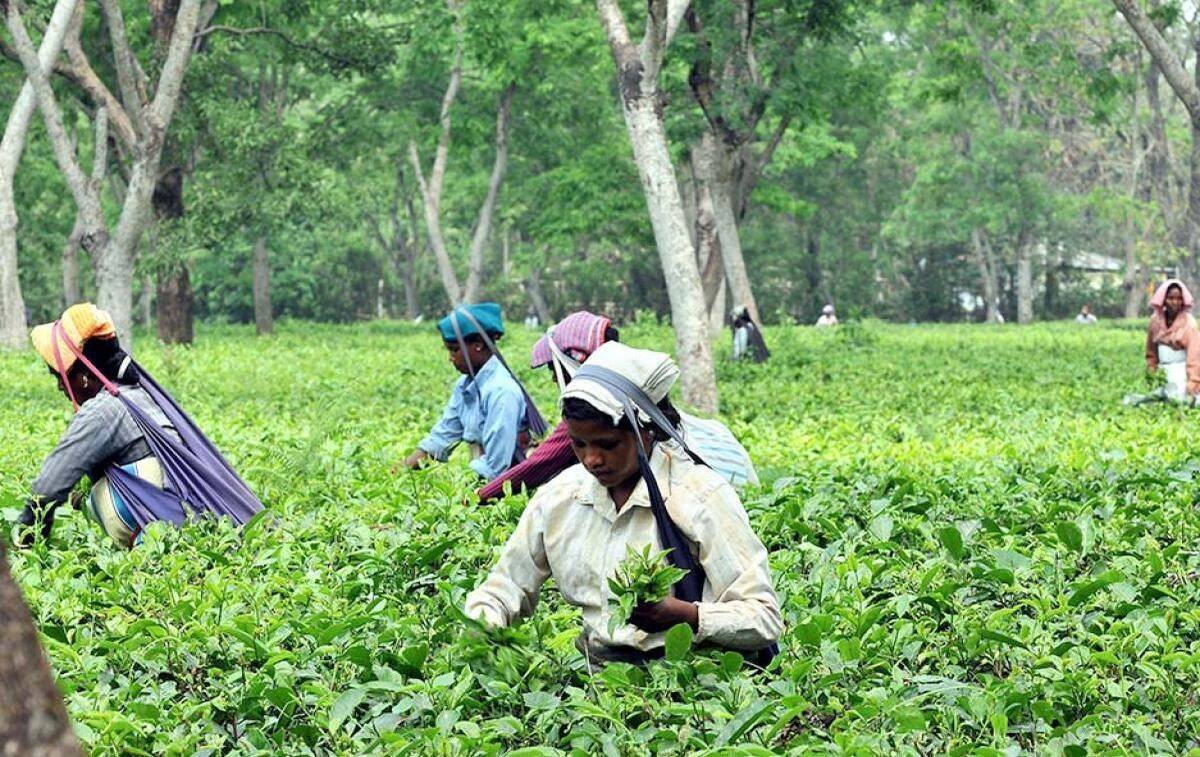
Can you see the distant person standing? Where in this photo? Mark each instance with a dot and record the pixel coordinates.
(531, 320)
(747, 338)
(828, 317)
(1085, 317)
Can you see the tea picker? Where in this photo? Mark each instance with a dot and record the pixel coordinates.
(1172, 346)
(638, 484)
(488, 409)
(747, 337)
(147, 460)
(563, 349)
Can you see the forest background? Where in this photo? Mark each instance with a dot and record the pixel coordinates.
(348, 161)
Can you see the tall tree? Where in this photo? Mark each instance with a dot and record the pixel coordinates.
(1187, 88)
(12, 146)
(638, 70)
(432, 187)
(113, 253)
(734, 90)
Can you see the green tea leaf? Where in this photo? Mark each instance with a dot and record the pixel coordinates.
(343, 707)
(951, 539)
(1070, 535)
(1088, 589)
(677, 641)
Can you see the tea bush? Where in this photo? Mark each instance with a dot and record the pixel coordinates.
(976, 547)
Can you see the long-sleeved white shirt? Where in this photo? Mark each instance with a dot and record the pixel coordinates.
(571, 530)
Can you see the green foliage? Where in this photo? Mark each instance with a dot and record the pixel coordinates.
(894, 131)
(977, 549)
(642, 577)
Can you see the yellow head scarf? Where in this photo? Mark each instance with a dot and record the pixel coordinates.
(79, 324)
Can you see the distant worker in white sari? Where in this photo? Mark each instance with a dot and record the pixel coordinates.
(828, 317)
(1172, 346)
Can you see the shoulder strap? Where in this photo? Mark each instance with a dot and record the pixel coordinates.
(58, 333)
(690, 588)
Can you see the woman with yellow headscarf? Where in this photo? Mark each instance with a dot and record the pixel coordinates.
(127, 436)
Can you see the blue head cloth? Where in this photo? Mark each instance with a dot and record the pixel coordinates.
(486, 314)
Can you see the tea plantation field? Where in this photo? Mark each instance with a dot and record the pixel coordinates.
(977, 549)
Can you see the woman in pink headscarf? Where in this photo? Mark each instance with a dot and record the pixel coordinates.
(564, 348)
(1173, 342)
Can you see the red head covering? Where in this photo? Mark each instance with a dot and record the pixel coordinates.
(1174, 334)
(1160, 296)
(578, 335)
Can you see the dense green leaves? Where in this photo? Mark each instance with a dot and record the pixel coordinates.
(335, 628)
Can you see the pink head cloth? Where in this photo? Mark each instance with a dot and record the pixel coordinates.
(1160, 296)
(577, 335)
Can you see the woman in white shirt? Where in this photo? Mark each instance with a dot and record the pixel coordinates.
(633, 489)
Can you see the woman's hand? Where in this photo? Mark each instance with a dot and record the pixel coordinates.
(412, 462)
(654, 617)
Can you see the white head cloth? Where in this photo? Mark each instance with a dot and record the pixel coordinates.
(653, 372)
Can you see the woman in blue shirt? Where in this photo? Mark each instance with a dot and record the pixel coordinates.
(487, 409)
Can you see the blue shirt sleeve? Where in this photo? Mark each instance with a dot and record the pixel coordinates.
(448, 431)
(503, 411)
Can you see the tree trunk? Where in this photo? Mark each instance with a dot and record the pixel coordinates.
(174, 279)
(716, 311)
(1050, 296)
(146, 302)
(70, 266)
(1132, 280)
(33, 720)
(167, 201)
(12, 303)
(1191, 240)
(264, 322)
(1160, 183)
(431, 204)
(1024, 281)
(637, 76)
(703, 227)
(167, 197)
(487, 211)
(174, 302)
(409, 278)
(688, 313)
(533, 287)
(987, 276)
(712, 163)
(723, 189)
(413, 247)
(812, 269)
(431, 190)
